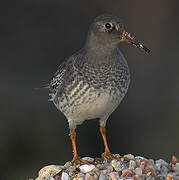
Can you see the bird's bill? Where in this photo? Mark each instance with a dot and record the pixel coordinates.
(126, 37)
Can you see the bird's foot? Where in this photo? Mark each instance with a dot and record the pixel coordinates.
(78, 161)
(110, 156)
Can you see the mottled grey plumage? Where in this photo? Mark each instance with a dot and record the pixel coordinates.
(92, 82)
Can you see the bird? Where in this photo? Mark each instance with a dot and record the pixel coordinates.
(91, 83)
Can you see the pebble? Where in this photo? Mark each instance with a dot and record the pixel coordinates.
(129, 156)
(86, 168)
(175, 167)
(118, 165)
(161, 162)
(78, 178)
(126, 173)
(89, 159)
(164, 170)
(132, 164)
(103, 177)
(141, 158)
(138, 171)
(127, 167)
(67, 164)
(89, 177)
(50, 170)
(107, 170)
(113, 176)
(65, 176)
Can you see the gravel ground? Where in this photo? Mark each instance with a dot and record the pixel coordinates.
(128, 167)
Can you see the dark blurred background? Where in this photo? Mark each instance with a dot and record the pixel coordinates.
(37, 35)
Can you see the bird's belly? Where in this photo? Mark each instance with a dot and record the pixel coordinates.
(93, 104)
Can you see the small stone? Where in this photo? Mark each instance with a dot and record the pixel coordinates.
(117, 155)
(132, 164)
(161, 162)
(67, 164)
(136, 177)
(126, 173)
(148, 173)
(113, 175)
(176, 177)
(72, 168)
(141, 158)
(141, 162)
(45, 178)
(168, 178)
(101, 166)
(71, 173)
(95, 169)
(118, 165)
(150, 178)
(175, 167)
(96, 176)
(39, 178)
(86, 168)
(164, 170)
(129, 156)
(82, 175)
(138, 171)
(103, 177)
(126, 178)
(89, 177)
(150, 166)
(50, 170)
(107, 170)
(79, 178)
(89, 159)
(65, 176)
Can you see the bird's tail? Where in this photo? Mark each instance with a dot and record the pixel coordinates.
(44, 86)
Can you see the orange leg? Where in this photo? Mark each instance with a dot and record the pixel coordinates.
(73, 140)
(76, 159)
(107, 154)
(103, 134)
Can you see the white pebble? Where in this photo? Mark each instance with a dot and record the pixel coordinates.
(103, 177)
(86, 168)
(129, 156)
(65, 176)
(162, 162)
(89, 159)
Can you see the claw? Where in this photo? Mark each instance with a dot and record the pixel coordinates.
(110, 156)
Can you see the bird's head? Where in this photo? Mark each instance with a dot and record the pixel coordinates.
(109, 30)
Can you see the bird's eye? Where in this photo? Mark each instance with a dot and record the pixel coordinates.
(108, 26)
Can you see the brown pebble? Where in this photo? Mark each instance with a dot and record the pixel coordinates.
(168, 178)
(143, 162)
(89, 177)
(113, 175)
(126, 173)
(150, 165)
(174, 159)
(149, 173)
(95, 169)
(138, 171)
(136, 177)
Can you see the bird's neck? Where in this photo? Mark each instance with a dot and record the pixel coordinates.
(102, 54)
(97, 49)
(97, 45)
